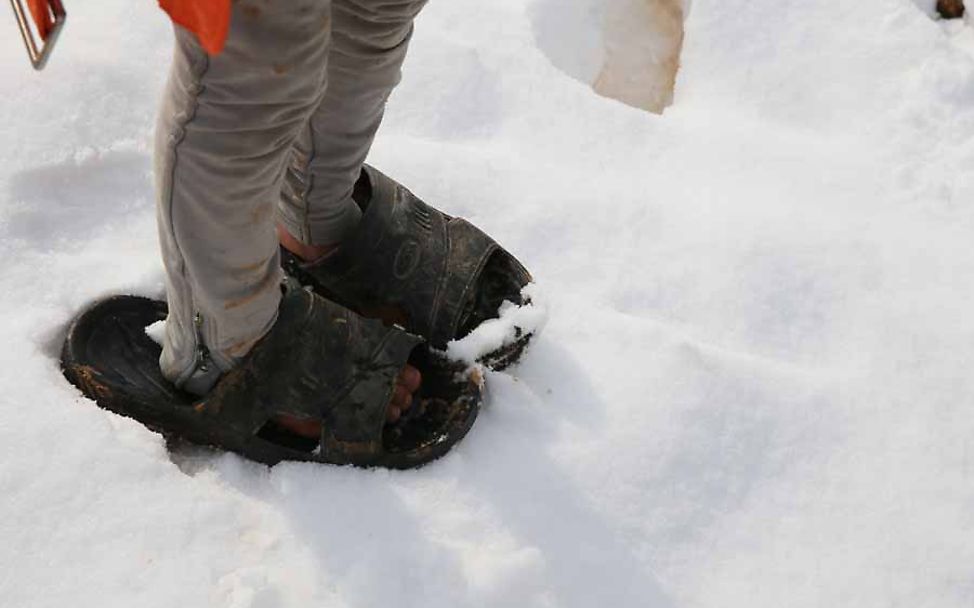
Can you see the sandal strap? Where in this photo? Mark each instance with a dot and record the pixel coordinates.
(409, 255)
(320, 361)
(469, 250)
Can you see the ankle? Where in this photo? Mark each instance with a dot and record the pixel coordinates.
(308, 253)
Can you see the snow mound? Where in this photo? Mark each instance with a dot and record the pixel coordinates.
(157, 331)
(511, 323)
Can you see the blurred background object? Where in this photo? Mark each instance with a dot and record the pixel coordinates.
(642, 41)
(950, 9)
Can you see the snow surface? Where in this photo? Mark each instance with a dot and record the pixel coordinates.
(754, 389)
(512, 321)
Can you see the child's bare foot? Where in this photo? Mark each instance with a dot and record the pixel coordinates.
(407, 382)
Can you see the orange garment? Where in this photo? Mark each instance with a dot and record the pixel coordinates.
(208, 19)
(42, 17)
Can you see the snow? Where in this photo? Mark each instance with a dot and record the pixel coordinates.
(754, 388)
(512, 321)
(156, 331)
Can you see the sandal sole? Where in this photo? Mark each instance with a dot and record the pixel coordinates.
(111, 359)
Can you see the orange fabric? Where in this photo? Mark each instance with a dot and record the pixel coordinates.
(42, 17)
(208, 19)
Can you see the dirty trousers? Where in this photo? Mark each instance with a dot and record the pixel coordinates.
(273, 129)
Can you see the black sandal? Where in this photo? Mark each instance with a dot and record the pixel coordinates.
(406, 262)
(320, 361)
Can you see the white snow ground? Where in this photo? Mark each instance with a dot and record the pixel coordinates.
(755, 387)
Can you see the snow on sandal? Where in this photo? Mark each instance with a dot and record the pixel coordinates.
(319, 362)
(406, 262)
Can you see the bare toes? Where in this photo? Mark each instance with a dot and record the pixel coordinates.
(401, 397)
(393, 414)
(410, 378)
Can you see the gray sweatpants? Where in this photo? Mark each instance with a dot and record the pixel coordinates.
(273, 129)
